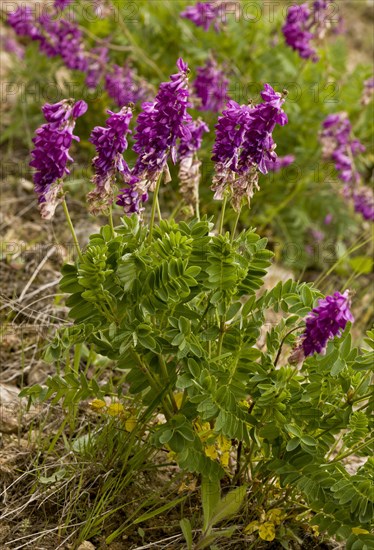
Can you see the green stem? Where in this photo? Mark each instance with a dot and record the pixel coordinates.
(154, 207)
(235, 225)
(166, 376)
(154, 384)
(352, 451)
(220, 228)
(72, 230)
(110, 219)
(221, 335)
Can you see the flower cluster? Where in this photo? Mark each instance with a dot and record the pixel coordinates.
(189, 164)
(51, 153)
(244, 145)
(110, 143)
(211, 87)
(205, 14)
(326, 321)
(368, 92)
(304, 25)
(363, 201)
(22, 21)
(123, 88)
(62, 37)
(338, 145)
(159, 126)
(56, 36)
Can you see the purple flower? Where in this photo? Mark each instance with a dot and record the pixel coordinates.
(61, 37)
(97, 61)
(122, 87)
(328, 219)
(337, 144)
(110, 143)
(159, 126)
(51, 153)
(211, 87)
(61, 4)
(205, 14)
(363, 200)
(244, 145)
(304, 25)
(326, 321)
(131, 200)
(368, 91)
(297, 33)
(12, 46)
(279, 163)
(22, 21)
(189, 164)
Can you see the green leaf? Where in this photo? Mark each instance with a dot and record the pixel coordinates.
(153, 513)
(210, 495)
(185, 525)
(229, 505)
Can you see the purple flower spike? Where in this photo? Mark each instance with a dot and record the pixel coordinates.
(159, 126)
(326, 321)
(296, 31)
(22, 21)
(363, 200)
(304, 25)
(244, 145)
(110, 143)
(122, 86)
(205, 14)
(62, 37)
(51, 153)
(211, 87)
(337, 144)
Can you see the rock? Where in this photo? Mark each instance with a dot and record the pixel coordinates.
(86, 545)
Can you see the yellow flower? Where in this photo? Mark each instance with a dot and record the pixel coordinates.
(97, 404)
(276, 516)
(252, 527)
(130, 423)
(211, 452)
(267, 531)
(115, 409)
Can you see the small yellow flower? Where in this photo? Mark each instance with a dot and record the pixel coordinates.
(97, 404)
(315, 530)
(267, 531)
(130, 423)
(115, 409)
(211, 452)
